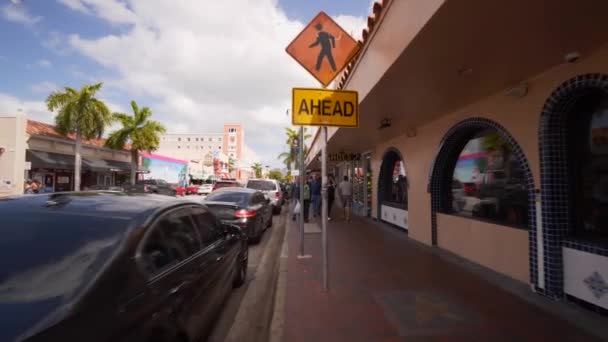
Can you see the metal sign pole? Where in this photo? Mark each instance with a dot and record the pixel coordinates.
(324, 205)
(301, 199)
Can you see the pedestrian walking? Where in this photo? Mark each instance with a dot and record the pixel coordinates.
(346, 195)
(28, 187)
(315, 189)
(331, 196)
(306, 209)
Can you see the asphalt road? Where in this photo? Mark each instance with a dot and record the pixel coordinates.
(232, 304)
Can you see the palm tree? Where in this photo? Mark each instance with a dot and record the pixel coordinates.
(293, 136)
(138, 131)
(231, 164)
(80, 113)
(257, 169)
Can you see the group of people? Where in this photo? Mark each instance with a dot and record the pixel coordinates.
(312, 195)
(32, 186)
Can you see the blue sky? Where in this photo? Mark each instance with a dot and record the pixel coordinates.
(196, 63)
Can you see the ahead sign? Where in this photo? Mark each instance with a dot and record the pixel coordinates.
(319, 107)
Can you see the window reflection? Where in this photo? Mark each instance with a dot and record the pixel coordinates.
(489, 183)
(591, 157)
(397, 192)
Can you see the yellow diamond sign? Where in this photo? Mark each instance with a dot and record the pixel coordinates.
(321, 107)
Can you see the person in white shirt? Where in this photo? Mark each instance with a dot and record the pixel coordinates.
(346, 195)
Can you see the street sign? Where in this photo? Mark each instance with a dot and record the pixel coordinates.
(323, 48)
(320, 107)
(295, 173)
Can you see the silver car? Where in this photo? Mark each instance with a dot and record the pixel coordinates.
(272, 189)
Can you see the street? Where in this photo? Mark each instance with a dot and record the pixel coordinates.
(232, 305)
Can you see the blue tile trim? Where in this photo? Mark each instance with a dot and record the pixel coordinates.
(440, 177)
(586, 246)
(555, 180)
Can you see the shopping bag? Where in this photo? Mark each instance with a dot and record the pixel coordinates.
(296, 208)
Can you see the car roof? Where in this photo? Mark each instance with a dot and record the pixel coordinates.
(235, 189)
(128, 206)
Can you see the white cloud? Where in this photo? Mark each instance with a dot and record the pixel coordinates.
(113, 11)
(17, 13)
(44, 87)
(35, 110)
(352, 25)
(204, 63)
(43, 63)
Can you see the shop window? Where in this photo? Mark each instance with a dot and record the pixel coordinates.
(393, 183)
(589, 168)
(488, 182)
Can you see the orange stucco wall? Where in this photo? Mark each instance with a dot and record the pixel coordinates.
(500, 249)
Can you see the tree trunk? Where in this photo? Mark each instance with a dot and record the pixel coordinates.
(134, 164)
(77, 161)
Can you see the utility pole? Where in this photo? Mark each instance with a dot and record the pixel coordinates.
(301, 199)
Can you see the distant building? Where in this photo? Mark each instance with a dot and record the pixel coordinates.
(201, 150)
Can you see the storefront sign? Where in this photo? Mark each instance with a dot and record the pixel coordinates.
(344, 156)
(320, 107)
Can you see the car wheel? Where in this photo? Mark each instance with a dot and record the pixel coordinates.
(241, 272)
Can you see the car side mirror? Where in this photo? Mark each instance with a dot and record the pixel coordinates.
(231, 229)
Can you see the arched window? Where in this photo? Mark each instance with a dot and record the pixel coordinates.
(392, 189)
(488, 182)
(588, 156)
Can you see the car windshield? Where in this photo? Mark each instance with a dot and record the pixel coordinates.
(261, 185)
(240, 198)
(71, 248)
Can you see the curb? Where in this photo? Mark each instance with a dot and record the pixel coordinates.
(278, 316)
(252, 321)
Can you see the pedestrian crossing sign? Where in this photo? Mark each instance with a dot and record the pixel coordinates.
(323, 48)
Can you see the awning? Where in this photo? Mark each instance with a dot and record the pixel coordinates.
(47, 160)
(104, 165)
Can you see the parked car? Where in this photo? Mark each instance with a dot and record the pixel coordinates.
(246, 208)
(105, 266)
(225, 184)
(179, 190)
(153, 186)
(272, 189)
(205, 189)
(191, 189)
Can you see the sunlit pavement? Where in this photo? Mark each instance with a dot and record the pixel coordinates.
(384, 287)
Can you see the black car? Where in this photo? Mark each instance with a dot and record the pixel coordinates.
(247, 208)
(109, 266)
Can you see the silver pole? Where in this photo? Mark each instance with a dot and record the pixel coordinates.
(324, 205)
(301, 216)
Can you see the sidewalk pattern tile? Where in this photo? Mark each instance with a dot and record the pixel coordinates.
(384, 287)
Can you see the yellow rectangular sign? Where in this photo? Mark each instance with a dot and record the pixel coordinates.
(321, 107)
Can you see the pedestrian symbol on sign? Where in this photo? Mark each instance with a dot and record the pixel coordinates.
(327, 42)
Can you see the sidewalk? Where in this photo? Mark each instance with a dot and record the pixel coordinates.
(384, 287)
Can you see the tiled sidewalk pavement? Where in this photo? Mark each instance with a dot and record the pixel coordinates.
(384, 287)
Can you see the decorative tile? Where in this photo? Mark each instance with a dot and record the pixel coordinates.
(597, 285)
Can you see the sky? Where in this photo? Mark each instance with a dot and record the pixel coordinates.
(196, 63)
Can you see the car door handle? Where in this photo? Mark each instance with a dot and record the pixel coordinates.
(178, 288)
(219, 258)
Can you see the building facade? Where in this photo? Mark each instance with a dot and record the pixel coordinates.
(208, 154)
(34, 150)
(486, 135)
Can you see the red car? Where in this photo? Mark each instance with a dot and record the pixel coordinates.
(180, 190)
(192, 190)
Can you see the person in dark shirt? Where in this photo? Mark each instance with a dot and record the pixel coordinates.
(315, 189)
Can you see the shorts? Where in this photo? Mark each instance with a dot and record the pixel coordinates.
(347, 200)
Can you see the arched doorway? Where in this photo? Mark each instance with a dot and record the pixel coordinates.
(574, 182)
(392, 189)
(481, 173)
